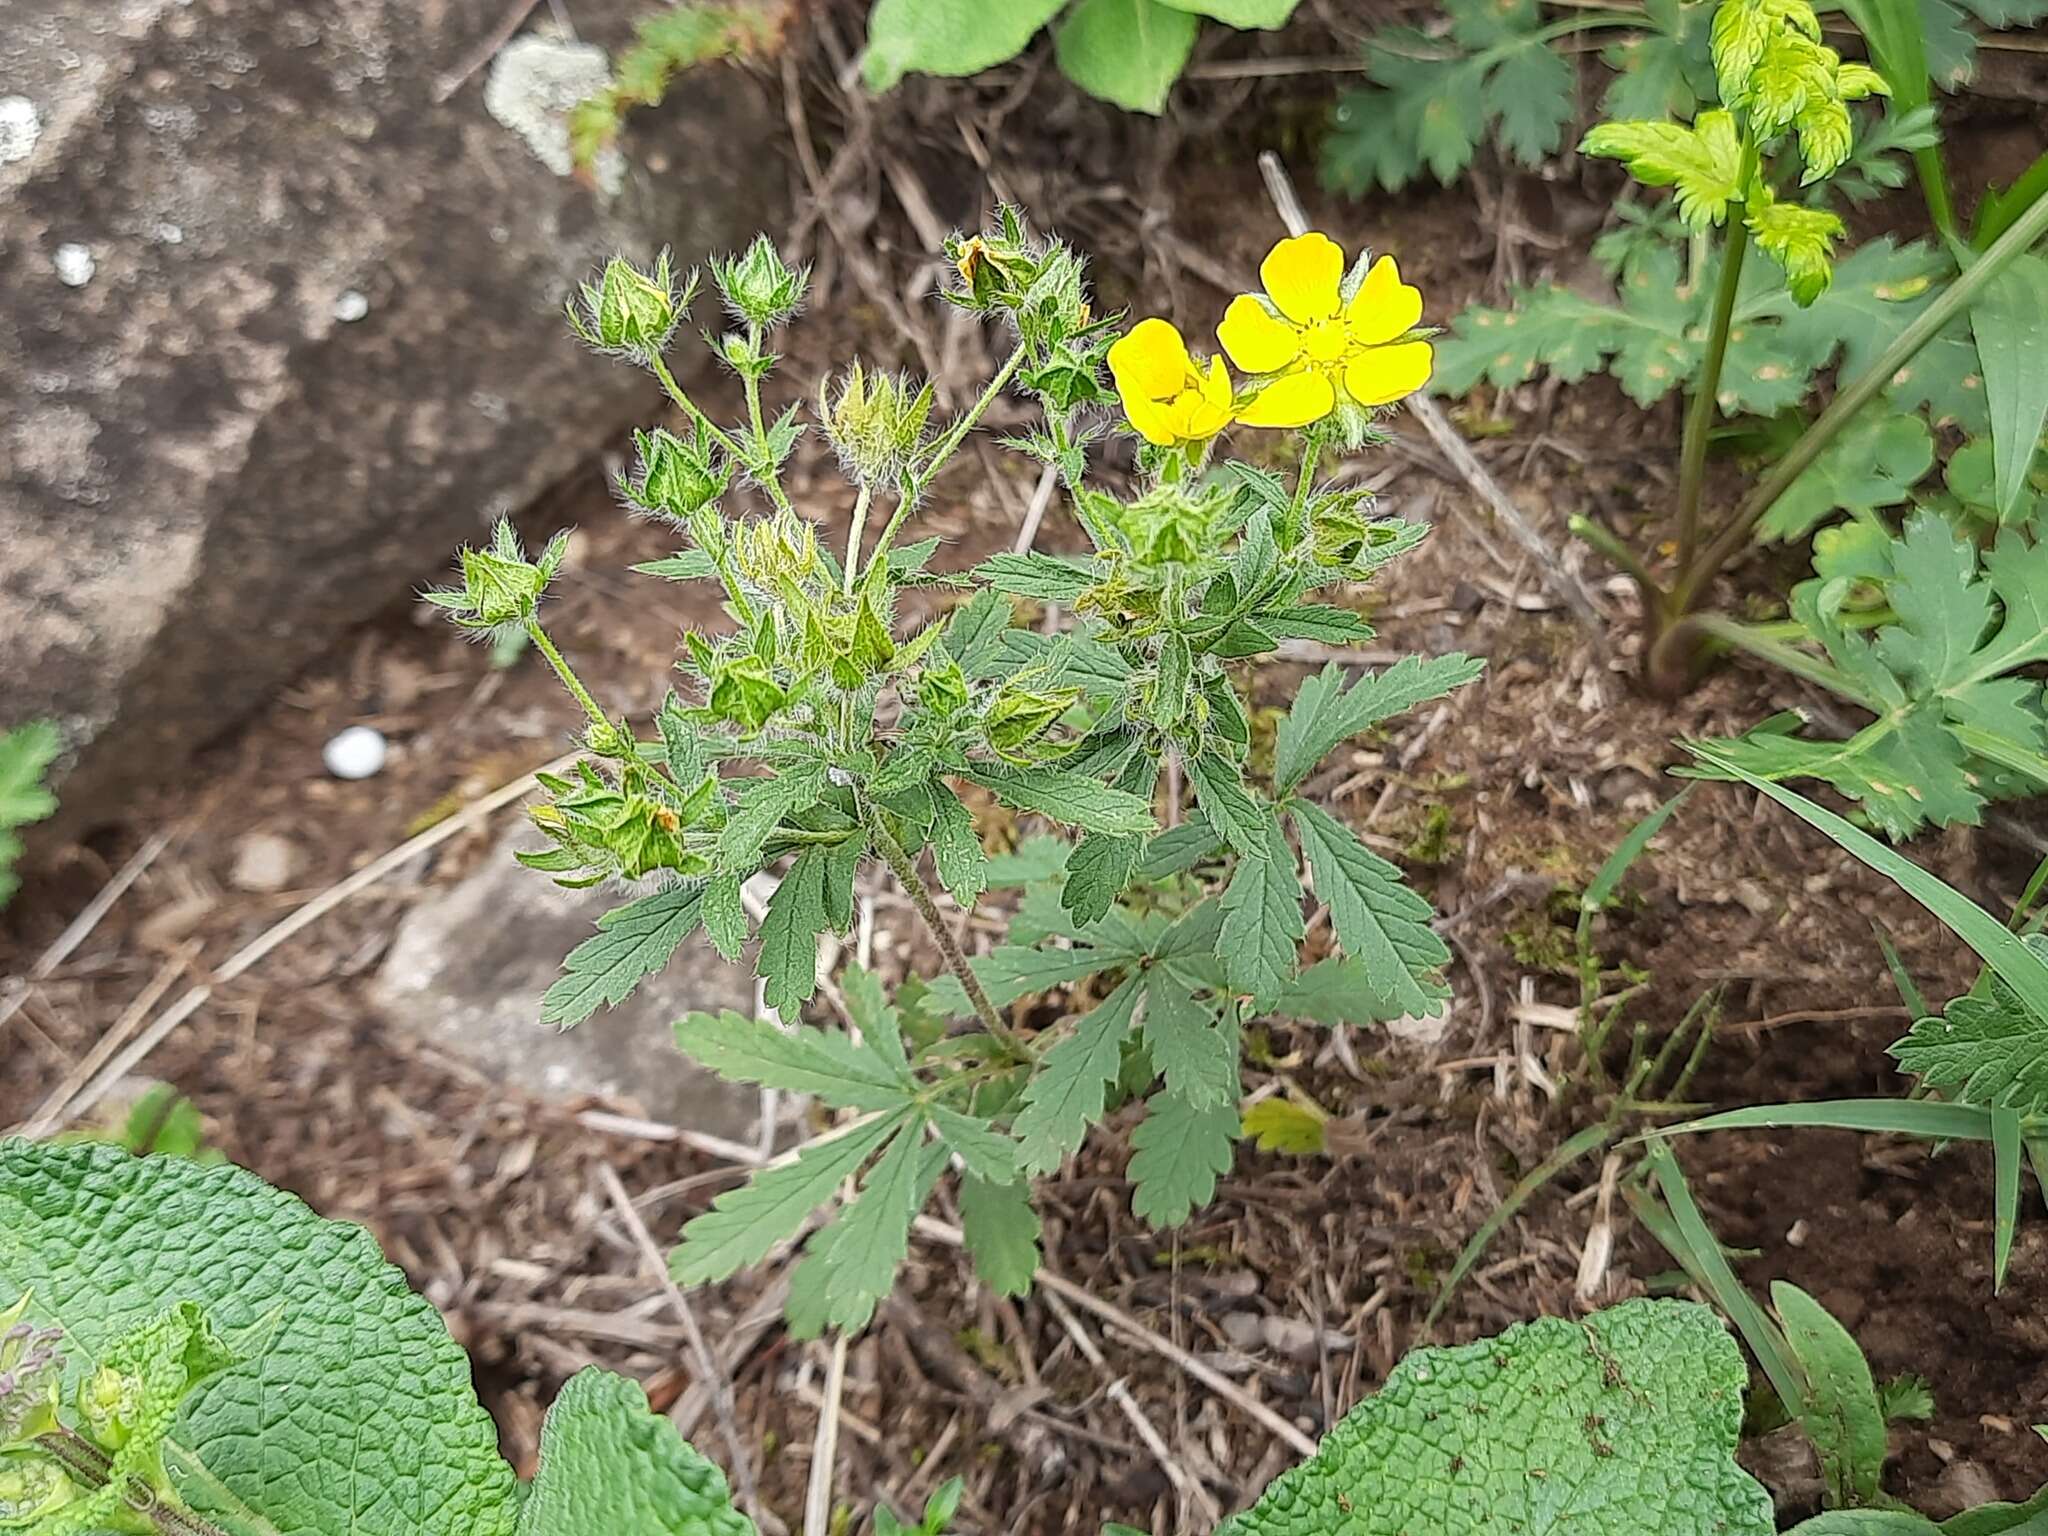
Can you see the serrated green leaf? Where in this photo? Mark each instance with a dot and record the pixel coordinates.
(1051, 578)
(683, 565)
(946, 37)
(974, 635)
(744, 1223)
(1701, 163)
(1262, 922)
(798, 1060)
(1801, 240)
(762, 804)
(1066, 797)
(988, 1153)
(632, 943)
(1379, 921)
(101, 1239)
(788, 958)
(609, 1463)
(1177, 1153)
(1983, 1049)
(872, 1235)
(725, 915)
(1631, 1415)
(1125, 51)
(26, 753)
(956, 847)
(1190, 1047)
(1066, 1095)
(1322, 716)
(1839, 1410)
(1231, 811)
(1001, 1231)
(1336, 991)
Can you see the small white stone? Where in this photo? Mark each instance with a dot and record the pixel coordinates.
(168, 233)
(350, 306)
(357, 753)
(263, 862)
(74, 264)
(20, 126)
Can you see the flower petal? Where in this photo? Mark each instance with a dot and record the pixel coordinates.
(1292, 400)
(1302, 275)
(1384, 307)
(1151, 360)
(1382, 375)
(1154, 419)
(1215, 386)
(1257, 341)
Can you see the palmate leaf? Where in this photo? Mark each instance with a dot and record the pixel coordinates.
(871, 1237)
(1875, 462)
(1190, 1045)
(1065, 796)
(797, 914)
(1801, 240)
(1433, 100)
(1700, 162)
(1379, 921)
(1631, 1416)
(1956, 721)
(1325, 714)
(1177, 1153)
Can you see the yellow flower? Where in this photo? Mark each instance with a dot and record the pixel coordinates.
(1170, 399)
(1304, 334)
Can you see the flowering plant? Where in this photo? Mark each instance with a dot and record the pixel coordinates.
(816, 732)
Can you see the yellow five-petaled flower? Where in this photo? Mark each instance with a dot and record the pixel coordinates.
(1170, 398)
(1312, 342)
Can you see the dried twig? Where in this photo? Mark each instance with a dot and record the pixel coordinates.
(825, 1449)
(80, 928)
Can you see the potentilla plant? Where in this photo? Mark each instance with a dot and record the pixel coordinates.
(815, 731)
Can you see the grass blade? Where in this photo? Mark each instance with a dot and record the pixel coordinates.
(1700, 1252)
(2006, 1155)
(1905, 1117)
(1626, 852)
(1909, 992)
(2023, 970)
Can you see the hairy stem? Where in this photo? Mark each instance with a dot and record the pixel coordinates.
(1953, 302)
(1699, 417)
(860, 522)
(565, 672)
(688, 407)
(88, 1464)
(771, 475)
(906, 875)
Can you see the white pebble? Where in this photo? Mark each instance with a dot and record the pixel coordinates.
(20, 126)
(351, 306)
(74, 265)
(357, 753)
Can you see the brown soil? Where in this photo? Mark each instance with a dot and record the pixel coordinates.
(491, 1203)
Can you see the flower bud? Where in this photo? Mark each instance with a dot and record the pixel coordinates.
(110, 1401)
(1018, 716)
(674, 477)
(758, 286)
(942, 688)
(500, 586)
(876, 425)
(775, 550)
(31, 1367)
(629, 311)
(746, 694)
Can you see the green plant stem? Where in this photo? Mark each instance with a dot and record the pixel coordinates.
(688, 407)
(1758, 642)
(1953, 301)
(860, 522)
(565, 672)
(914, 486)
(771, 476)
(1699, 417)
(906, 875)
(1619, 553)
(88, 1464)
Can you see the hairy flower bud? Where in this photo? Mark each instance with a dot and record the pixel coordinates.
(876, 425)
(758, 286)
(942, 688)
(775, 550)
(1019, 715)
(628, 311)
(500, 586)
(674, 476)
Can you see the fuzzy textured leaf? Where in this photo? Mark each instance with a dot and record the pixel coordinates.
(1631, 1417)
(1379, 921)
(632, 943)
(1985, 1048)
(104, 1240)
(1177, 1153)
(608, 1463)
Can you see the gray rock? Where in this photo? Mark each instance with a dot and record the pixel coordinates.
(468, 967)
(278, 328)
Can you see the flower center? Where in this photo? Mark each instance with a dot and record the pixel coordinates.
(1324, 341)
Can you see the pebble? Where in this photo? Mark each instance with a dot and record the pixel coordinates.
(20, 126)
(357, 753)
(74, 264)
(350, 307)
(263, 862)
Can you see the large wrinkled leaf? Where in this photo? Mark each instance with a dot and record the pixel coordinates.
(1623, 1424)
(353, 1412)
(609, 1464)
(947, 37)
(1126, 51)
